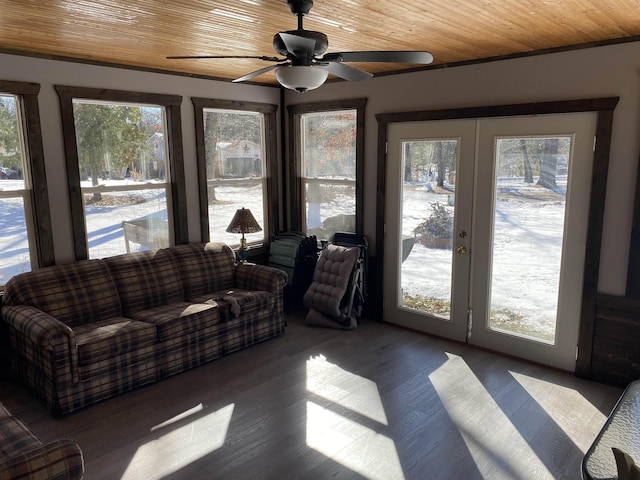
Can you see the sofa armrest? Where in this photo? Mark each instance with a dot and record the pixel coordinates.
(37, 325)
(59, 459)
(42, 331)
(250, 276)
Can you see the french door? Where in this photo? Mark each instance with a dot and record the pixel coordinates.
(486, 224)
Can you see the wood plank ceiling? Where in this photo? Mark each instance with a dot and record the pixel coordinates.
(141, 33)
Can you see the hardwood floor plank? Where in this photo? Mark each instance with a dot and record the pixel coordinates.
(379, 402)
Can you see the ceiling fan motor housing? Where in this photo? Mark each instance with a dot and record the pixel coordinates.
(322, 42)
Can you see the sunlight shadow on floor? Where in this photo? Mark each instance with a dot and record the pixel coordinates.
(497, 447)
(577, 410)
(344, 440)
(344, 388)
(196, 438)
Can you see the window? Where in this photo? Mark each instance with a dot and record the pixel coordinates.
(25, 226)
(124, 162)
(236, 147)
(328, 152)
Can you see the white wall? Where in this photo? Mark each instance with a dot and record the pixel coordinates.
(598, 72)
(589, 73)
(51, 72)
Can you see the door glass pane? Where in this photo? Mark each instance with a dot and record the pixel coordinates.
(329, 171)
(530, 199)
(235, 162)
(428, 209)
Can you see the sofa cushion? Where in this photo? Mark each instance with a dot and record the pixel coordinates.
(179, 319)
(76, 293)
(204, 267)
(235, 303)
(107, 338)
(145, 280)
(15, 438)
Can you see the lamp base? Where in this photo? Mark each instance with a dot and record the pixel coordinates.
(242, 254)
(243, 251)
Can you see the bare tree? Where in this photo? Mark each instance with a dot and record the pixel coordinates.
(441, 163)
(549, 164)
(526, 162)
(408, 163)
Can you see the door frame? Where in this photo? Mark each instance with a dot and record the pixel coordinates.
(604, 108)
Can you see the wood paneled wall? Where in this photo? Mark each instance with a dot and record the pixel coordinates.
(615, 355)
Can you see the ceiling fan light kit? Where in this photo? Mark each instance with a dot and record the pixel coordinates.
(306, 67)
(301, 78)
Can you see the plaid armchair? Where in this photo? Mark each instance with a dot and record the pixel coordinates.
(24, 456)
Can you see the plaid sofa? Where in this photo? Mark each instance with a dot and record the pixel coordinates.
(85, 331)
(24, 456)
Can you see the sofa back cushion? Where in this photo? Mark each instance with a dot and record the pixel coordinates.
(204, 267)
(145, 280)
(75, 293)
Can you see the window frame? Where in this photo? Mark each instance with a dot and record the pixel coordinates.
(37, 210)
(270, 174)
(175, 180)
(296, 218)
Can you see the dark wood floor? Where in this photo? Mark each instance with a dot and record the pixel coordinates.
(379, 402)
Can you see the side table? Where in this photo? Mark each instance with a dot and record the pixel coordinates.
(621, 430)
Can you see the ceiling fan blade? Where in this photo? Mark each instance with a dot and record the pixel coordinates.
(265, 58)
(382, 56)
(298, 45)
(345, 71)
(256, 73)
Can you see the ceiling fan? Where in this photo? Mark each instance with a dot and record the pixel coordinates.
(306, 66)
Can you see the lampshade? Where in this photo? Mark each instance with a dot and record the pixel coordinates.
(243, 222)
(301, 78)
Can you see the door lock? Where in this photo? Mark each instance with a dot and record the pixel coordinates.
(462, 250)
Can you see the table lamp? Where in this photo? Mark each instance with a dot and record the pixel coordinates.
(243, 222)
